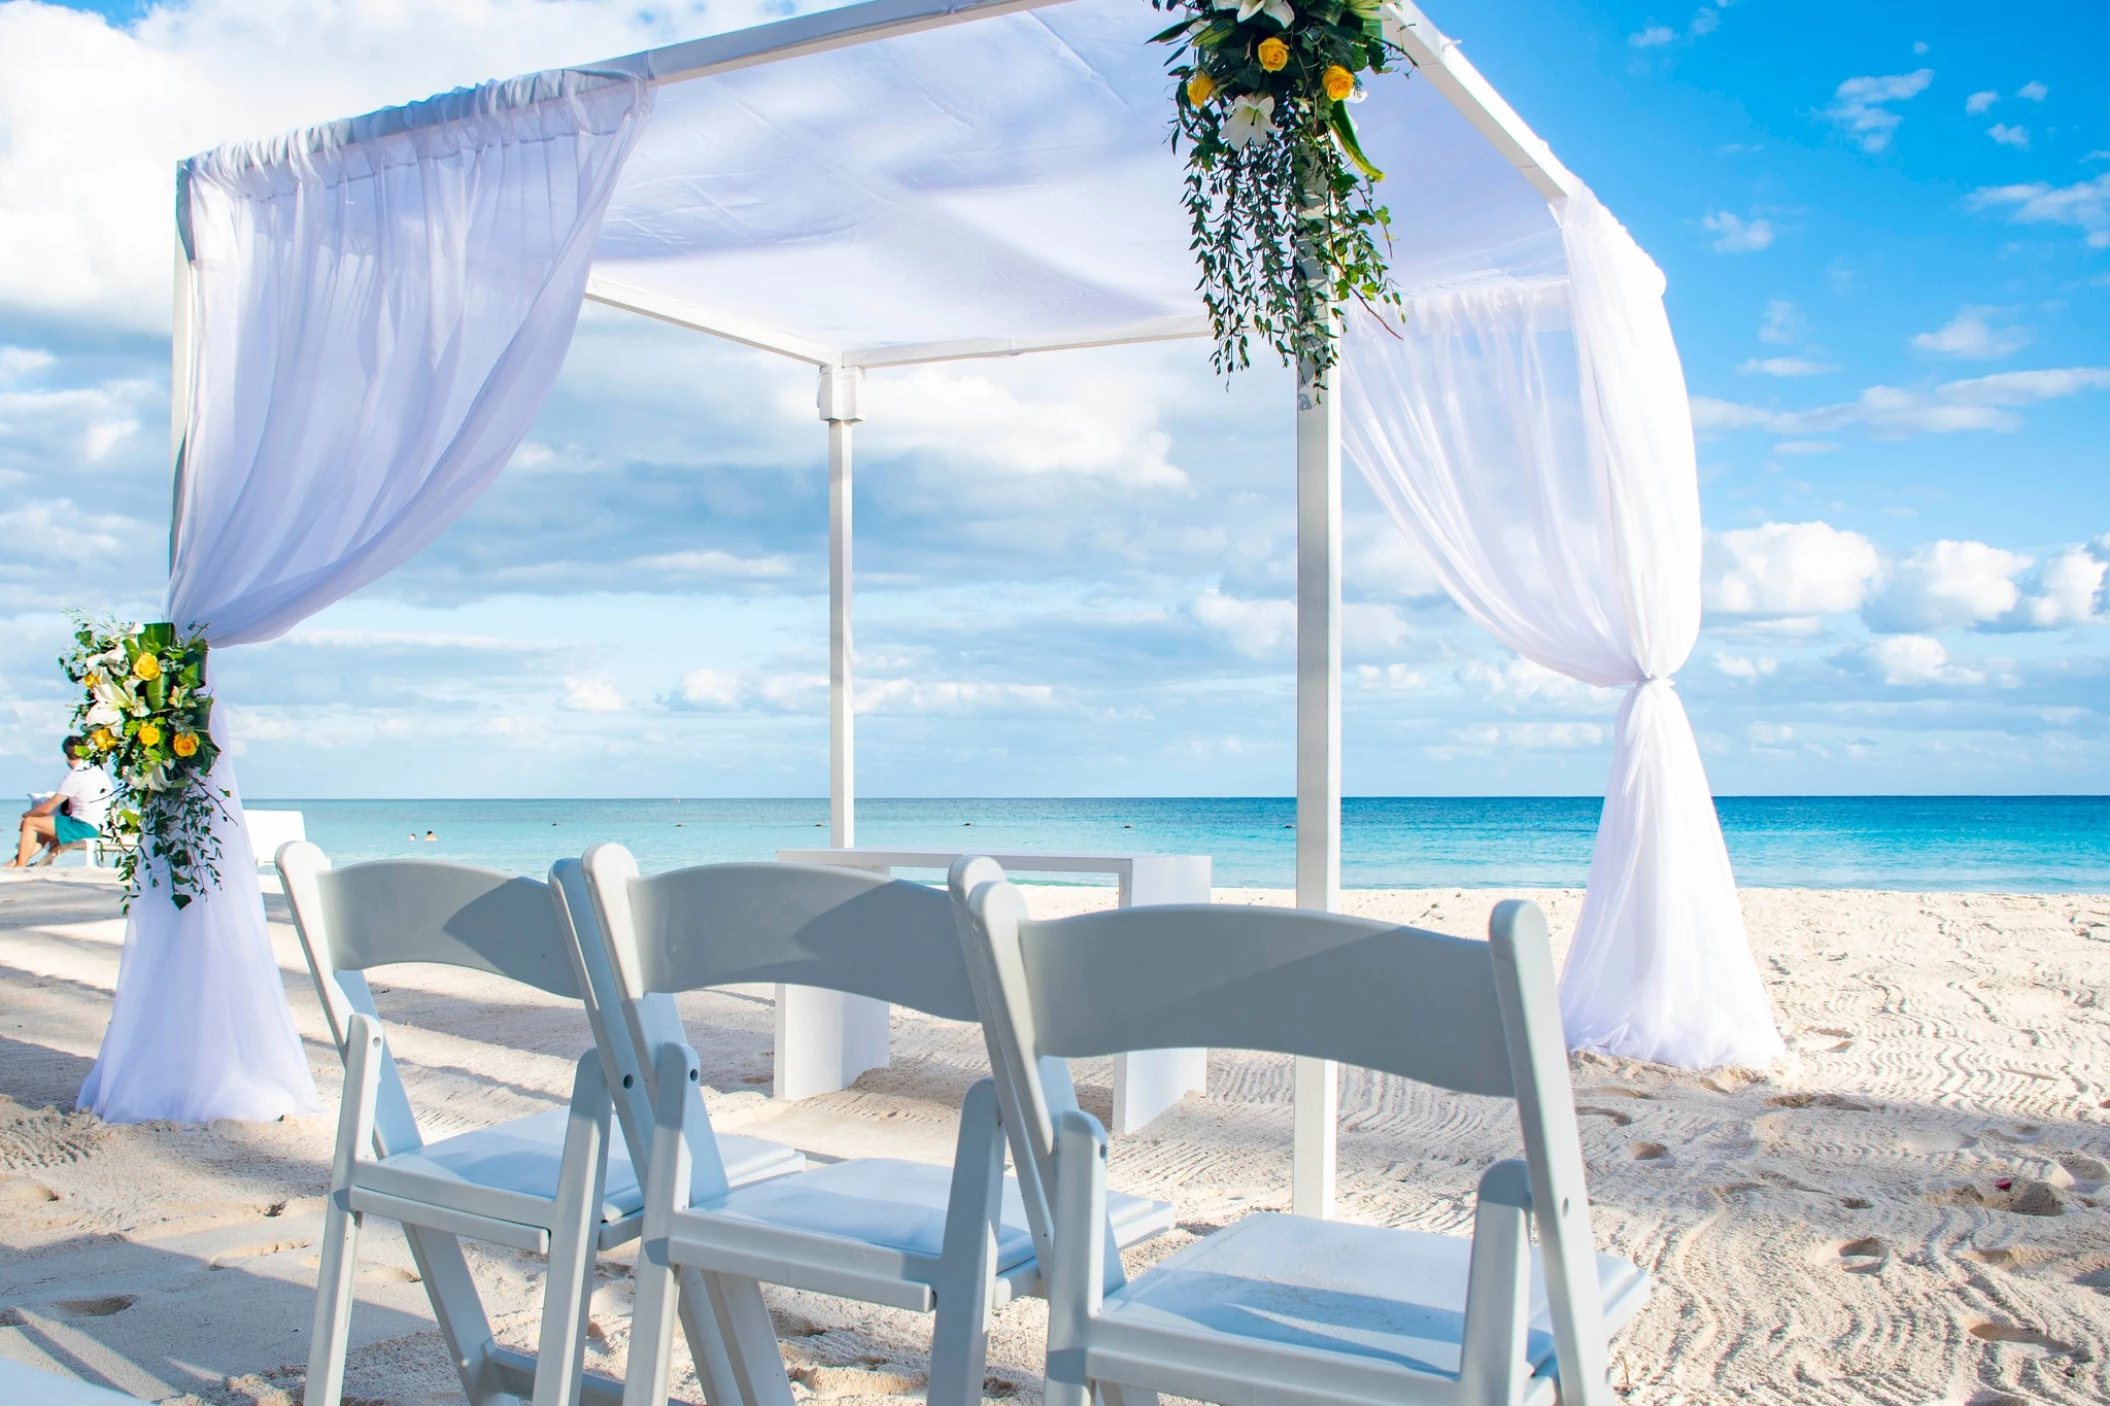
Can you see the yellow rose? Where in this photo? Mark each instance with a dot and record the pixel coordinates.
(186, 745)
(1339, 83)
(1273, 55)
(103, 739)
(147, 667)
(1200, 88)
(149, 735)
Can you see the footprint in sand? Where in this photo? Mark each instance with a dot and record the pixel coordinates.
(1619, 1120)
(2024, 1336)
(1648, 1152)
(1864, 1256)
(95, 1308)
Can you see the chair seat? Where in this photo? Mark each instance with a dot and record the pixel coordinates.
(901, 1206)
(527, 1154)
(1393, 1296)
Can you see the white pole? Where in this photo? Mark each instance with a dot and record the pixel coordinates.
(1318, 752)
(840, 393)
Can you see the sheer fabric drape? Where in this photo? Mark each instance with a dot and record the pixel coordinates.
(381, 307)
(1534, 438)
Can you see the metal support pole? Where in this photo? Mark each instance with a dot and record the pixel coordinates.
(1318, 751)
(840, 393)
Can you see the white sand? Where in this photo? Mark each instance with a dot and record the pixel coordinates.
(1906, 1211)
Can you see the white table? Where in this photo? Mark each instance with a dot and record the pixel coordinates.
(826, 1039)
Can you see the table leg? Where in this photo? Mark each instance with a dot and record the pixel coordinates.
(825, 1039)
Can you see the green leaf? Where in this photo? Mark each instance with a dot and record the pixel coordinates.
(1344, 132)
(1167, 36)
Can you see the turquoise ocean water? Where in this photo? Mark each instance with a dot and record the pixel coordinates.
(2029, 844)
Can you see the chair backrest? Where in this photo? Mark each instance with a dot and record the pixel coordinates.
(804, 924)
(416, 910)
(626, 1041)
(1474, 1017)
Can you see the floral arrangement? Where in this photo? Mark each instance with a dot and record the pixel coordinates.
(1278, 188)
(145, 716)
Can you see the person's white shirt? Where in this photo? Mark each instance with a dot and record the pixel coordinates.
(86, 792)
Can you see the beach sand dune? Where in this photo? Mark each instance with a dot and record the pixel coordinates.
(1913, 1207)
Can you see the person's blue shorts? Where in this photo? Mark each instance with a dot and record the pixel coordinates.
(70, 830)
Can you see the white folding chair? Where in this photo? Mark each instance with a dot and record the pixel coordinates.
(898, 1233)
(1282, 1310)
(547, 1183)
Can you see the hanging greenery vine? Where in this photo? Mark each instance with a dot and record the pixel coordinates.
(145, 715)
(1278, 189)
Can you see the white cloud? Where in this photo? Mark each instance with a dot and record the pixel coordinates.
(1747, 667)
(1706, 20)
(713, 563)
(954, 699)
(97, 116)
(1255, 628)
(1947, 584)
(1785, 366)
(1858, 105)
(1978, 103)
(1805, 446)
(1655, 36)
(1981, 403)
(1969, 335)
(1534, 737)
(970, 417)
(1516, 682)
(2067, 589)
(1369, 627)
(710, 691)
(1789, 569)
(2084, 205)
(20, 363)
(1738, 236)
(1782, 322)
(1916, 660)
(1769, 734)
(2016, 137)
(591, 696)
(2035, 92)
(1388, 678)
(1380, 560)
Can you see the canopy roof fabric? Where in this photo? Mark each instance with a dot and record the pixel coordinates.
(1009, 181)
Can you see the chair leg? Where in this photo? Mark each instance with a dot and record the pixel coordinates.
(1077, 1277)
(1492, 1368)
(567, 1288)
(750, 1339)
(959, 1349)
(459, 1310)
(707, 1349)
(330, 1337)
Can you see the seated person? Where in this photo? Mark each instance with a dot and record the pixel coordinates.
(74, 812)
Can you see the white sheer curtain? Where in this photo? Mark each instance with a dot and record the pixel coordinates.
(1534, 438)
(381, 306)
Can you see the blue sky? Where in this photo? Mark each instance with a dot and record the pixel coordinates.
(1887, 235)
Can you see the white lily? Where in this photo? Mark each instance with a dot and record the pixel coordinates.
(1250, 119)
(1276, 10)
(101, 715)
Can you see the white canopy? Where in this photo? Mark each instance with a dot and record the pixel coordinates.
(371, 313)
(987, 187)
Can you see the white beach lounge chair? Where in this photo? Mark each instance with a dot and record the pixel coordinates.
(548, 1183)
(903, 1234)
(1283, 1310)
